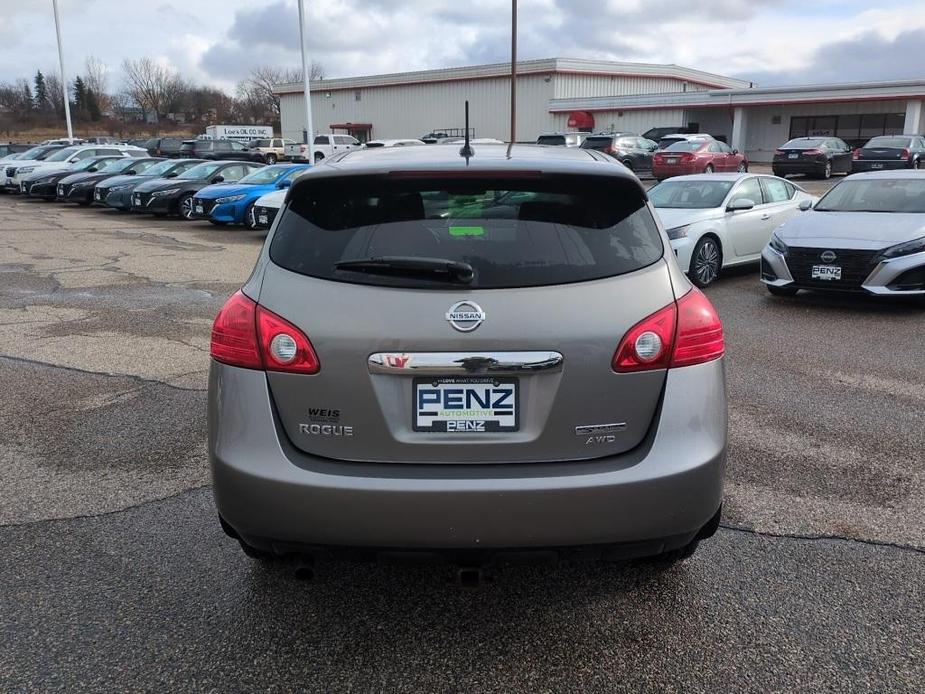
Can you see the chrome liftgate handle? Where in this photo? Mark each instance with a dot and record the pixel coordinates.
(449, 363)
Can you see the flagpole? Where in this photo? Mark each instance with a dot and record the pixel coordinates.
(67, 101)
(308, 135)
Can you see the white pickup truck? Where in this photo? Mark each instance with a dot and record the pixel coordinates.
(325, 146)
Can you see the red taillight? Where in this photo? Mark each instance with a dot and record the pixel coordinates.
(247, 335)
(687, 156)
(609, 150)
(684, 333)
(812, 152)
(778, 152)
(856, 154)
(658, 158)
(700, 331)
(906, 153)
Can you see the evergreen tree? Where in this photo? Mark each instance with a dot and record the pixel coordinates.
(80, 95)
(26, 98)
(40, 98)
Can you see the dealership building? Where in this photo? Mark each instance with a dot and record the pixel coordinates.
(602, 96)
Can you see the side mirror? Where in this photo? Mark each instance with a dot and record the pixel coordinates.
(130, 172)
(740, 205)
(172, 174)
(735, 151)
(806, 205)
(92, 169)
(218, 179)
(285, 183)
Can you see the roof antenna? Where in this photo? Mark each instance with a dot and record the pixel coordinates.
(466, 150)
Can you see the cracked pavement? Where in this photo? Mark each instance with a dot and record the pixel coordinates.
(115, 574)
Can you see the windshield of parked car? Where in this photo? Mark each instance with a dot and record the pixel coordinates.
(805, 143)
(116, 165)
(513, 233)
(199, 171)
(685, 146)
(551, 140)
(36, 152)
(695, 195)
(89, 163)
(161, 168)
(875, 195)
(598, 143)
(63, 154)
(268, 174)
(894, 142)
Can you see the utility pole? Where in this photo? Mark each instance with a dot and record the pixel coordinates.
(513, 71)
(308, 134)
(67, 101)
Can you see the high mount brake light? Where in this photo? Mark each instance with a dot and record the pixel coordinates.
(247, 335)
(684, 333)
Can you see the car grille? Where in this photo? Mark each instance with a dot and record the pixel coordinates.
(207, 206)
(11, 171)
(855, 267)
(270, 213)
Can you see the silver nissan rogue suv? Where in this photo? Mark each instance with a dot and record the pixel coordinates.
(481, 356)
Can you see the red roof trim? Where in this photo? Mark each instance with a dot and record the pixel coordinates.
(737, 104)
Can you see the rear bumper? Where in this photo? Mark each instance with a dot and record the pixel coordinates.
(859, 165)
(663, 171)
(660, 494)
(800, 167)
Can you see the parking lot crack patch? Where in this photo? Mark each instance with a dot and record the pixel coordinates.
(823, 538)
(133, 377)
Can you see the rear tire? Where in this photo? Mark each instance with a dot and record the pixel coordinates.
(782, 291)
(706, 262)
(827, 171)
(270, 158)
(709, 169)
(629, 165)
(743, 167)
(916, 164)
(778, 173)
(319, 157)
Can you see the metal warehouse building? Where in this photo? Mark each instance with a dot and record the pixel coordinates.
(412, 104)
(602, 96)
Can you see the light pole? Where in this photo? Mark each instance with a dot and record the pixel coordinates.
(308, 134)
(513, 71)
(67, 102)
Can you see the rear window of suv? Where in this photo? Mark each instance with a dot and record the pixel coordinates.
(513, 233)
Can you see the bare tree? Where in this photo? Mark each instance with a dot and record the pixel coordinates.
(154, 87)
(121, 102)
(55, 92)
(261, 82)
(96, 78)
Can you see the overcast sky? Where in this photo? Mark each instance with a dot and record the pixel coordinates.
(218, 41)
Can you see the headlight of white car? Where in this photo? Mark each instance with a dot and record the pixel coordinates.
(163, 193)
(778, 245)
(907, 248)
(230, 198)
(676, 233)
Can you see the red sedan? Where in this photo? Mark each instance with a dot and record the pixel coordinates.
(697, 156)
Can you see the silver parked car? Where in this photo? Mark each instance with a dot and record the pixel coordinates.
(467, 356)
(865, 235)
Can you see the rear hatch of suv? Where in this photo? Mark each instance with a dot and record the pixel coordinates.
(462, 318)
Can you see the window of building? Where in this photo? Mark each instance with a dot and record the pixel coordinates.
(855, 130)
(775, 120)
(357, 95)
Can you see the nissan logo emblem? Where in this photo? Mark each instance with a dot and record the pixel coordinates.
(828, 257)
(465, 316)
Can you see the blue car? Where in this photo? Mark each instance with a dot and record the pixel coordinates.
(233, 203)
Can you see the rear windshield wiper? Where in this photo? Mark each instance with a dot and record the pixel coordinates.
(438, 268)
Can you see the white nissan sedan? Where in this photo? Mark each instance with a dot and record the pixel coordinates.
(718, 220)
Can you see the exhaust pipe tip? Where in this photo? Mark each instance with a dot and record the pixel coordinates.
(472, 578)
(305, 570)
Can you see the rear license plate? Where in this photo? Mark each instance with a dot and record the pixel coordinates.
(826, 272)
(262, 219)
(876, 166)
(198, 209)
(793, 155)
(470, 405)
(671, 160)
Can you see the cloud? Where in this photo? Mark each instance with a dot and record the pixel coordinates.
(868, 57)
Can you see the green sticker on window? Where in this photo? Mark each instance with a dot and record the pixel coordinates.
(467, 231)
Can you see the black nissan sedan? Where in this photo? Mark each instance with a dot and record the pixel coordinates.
(116, 192)
(44, 184)
(164, 196)
(78, 187)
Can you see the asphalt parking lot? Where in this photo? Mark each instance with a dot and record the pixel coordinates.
(116, 576)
